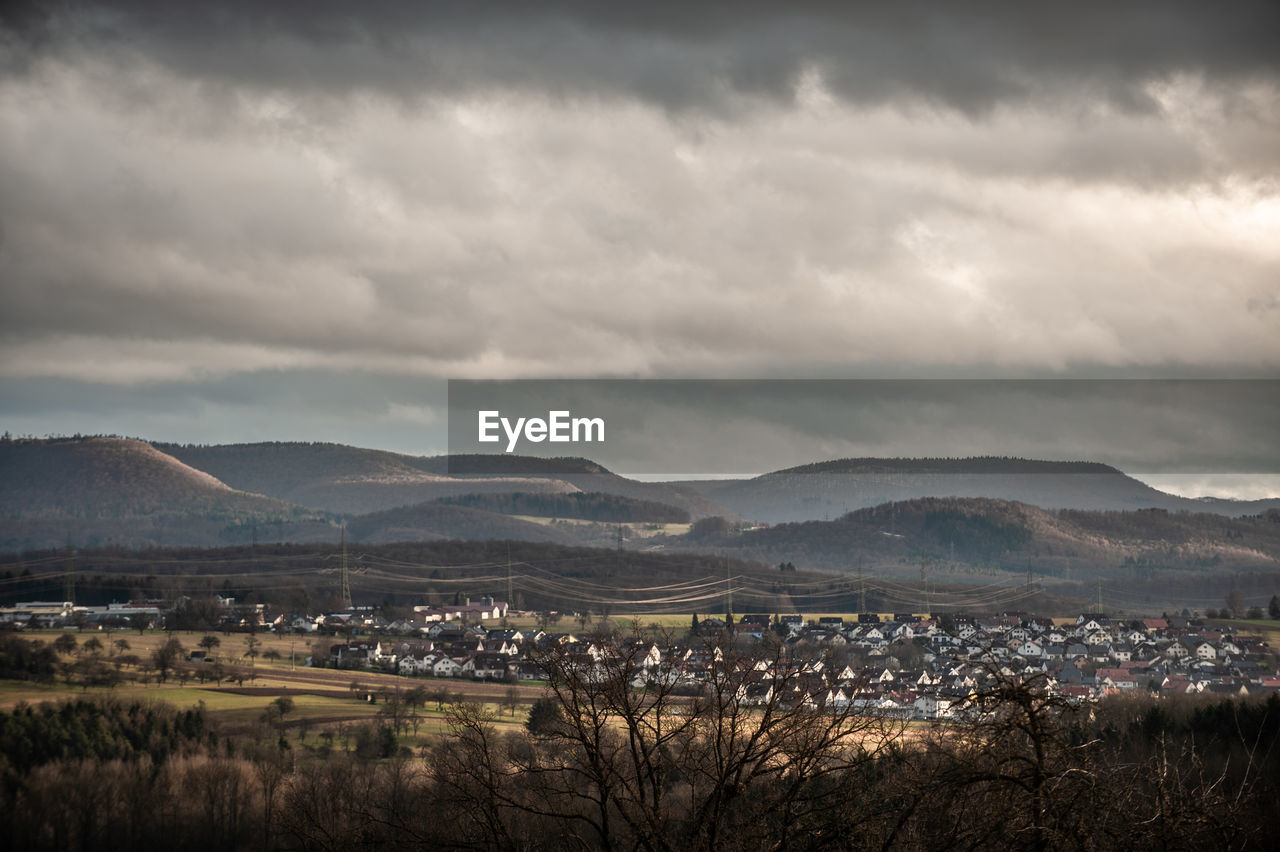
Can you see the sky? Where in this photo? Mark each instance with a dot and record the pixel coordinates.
(241, 221)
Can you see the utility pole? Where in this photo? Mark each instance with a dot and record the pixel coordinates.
(69, 584)
(510, 596)
(1099, 596)
(862, 589)
(617, 557)
(346, 577)
(924, 584)
(728, 590)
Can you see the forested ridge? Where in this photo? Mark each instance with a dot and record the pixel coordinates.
(589, 506)
(978, 533)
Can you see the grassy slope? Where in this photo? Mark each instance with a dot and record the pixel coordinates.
(97, 491)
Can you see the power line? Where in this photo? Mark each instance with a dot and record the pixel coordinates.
(346, 576)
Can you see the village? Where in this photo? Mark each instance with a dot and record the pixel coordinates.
(894, 665)
(898, 665)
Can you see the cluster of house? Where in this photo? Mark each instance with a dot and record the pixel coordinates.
(904, 666)
(230, 615)
(1083, 659)
(148, 614)
(913, 666)
(55, 614)
(367, 619)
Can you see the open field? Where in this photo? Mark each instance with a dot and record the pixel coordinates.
(1268, 629)
(323, 698)
(642, 529)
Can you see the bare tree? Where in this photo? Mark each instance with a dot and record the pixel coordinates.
(251, 645)
(639, 762)
(511, 700)
(167, 656)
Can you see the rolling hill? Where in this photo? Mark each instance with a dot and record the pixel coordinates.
(121, 492)
(969, 536)
(104, 490)
(826, 490)
(107, 491)
(349, 480)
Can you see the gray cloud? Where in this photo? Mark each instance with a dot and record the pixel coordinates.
(494, 236)
(225, 195)
(968, 56)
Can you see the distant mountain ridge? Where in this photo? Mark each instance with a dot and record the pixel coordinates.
(350, 480)
(102, 491)
(971, 464)
(824, 490)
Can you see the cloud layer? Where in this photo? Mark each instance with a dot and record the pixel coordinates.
(191, 194)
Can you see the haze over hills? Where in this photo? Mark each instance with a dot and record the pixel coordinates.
(350, 480)
(100, 491)
(825, 490)
(339, 478)
(437, 522)
(584, 505)
(970, 536)
(116, 491)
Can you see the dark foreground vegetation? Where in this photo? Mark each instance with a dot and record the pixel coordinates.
(726, 765)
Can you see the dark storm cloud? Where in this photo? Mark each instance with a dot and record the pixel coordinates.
(969, 56)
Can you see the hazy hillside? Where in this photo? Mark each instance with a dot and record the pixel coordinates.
(339, 478)
(827, 490)
(542, 575)
(115, 490)
(345, 479)
(584, 505)
(111, 491)
(585, 476)
(962, 536)
(434, 521)
(100, 477)
(475, 464)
